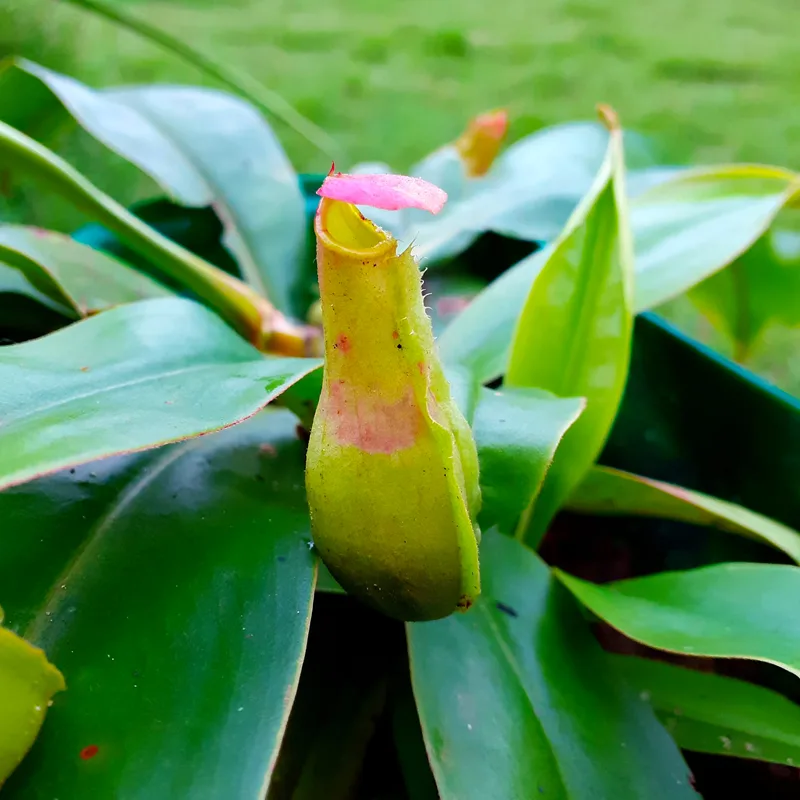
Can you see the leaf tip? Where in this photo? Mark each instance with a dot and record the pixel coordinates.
(608, 117)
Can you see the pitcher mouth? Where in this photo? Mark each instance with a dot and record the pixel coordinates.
(343, 228)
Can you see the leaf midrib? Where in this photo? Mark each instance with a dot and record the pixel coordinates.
(125, 497)
(519, 675)
(596, 236)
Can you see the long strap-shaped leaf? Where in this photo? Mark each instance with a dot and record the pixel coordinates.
(688, 227)
(517, 432)
(723, 611)
(267, 100)
(203, 650)
(245, 309)
(135, 377)
(712, 713)
(573, 336)
(757, 290)
(75, 276)
(611, 491)
(516, 699)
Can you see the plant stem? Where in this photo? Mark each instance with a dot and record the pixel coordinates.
(246, 310)
(268, 101)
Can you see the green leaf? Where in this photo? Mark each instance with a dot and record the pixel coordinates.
(691, 226)
(179, 614)
(27, 683)
(249, 180)
(444, 167)
(40, 288)
(326, 582)
(573, 337)
(715, 714)
(609, 491)
(137, 376)
(62, 100)
(724, 611)
(246, 310)
(79, 279)
(760, 288)
(529, 192)
(204, 148)
(684, 229)
(725, 298)
(516, 699)
(517, 432)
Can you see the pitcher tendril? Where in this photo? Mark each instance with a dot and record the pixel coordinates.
(392, 470)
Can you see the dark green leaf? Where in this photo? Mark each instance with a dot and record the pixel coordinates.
(134, 377)
(75, 276)
(516, 698)
(725, 611)
(715, 714)
(178, 614)
(573, 337)
(610, 491)
(517, 432)
(40, 287)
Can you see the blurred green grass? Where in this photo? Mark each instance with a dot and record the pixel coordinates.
(710, 82)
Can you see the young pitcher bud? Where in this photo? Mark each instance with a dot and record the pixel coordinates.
(392, 470)
(480, 143)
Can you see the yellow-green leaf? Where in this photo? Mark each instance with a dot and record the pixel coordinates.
(573, 337)
(28, 681)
